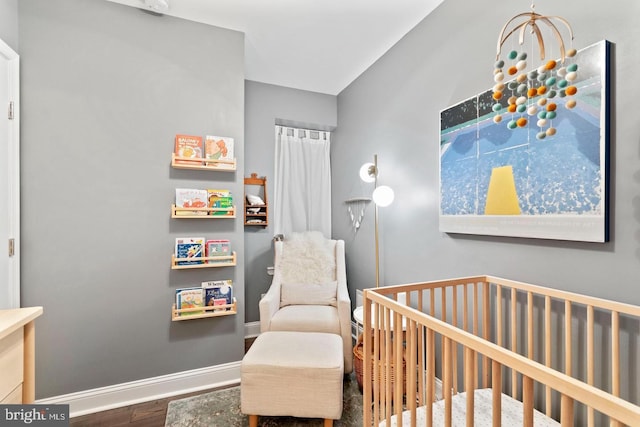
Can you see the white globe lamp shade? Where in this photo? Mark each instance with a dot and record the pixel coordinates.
(383, 196)
(368, 172)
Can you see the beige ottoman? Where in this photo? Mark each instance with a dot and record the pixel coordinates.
(295, 374)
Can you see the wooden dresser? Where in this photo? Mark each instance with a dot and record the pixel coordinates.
(17, 355)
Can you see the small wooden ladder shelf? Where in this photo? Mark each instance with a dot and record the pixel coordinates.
(256, 214)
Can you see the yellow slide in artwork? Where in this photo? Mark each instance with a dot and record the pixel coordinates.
(502, 197)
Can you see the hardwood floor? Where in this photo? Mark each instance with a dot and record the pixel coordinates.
(148, 414)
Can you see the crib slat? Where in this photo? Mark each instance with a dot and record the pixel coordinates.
(497, 370)
(446, 383)
(422, 353)
(514, 340)
(530, 325)
(443, 304)
(443, 317)
(475, 323)
(454, 322)
(465, 303)
(547, 350)
(527, 401)
(499, 320)
(567, 338)
(475, 309)
(411, 373)
(388, 360)
(377, 337)
(615, 353)
(398, 341)
(469, 375)
(566, 411)
(615, 358)
(381, 365)
(590, 361)
(496, 386)
(366, 365)
(486, 328)
(431, 369)
(432, 302)
(384, 357)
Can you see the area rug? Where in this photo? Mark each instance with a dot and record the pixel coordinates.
(222, 409)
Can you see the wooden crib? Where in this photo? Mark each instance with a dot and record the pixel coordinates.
(490, 351)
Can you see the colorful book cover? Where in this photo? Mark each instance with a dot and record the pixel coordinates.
(189, 146)
(190, 298)
(190, 247)
(220, 301)
(219, 247)
(220, 199)
(218, 292)
(191, 198)
(218, 148)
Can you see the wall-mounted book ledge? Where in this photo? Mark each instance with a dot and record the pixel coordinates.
(202, 312)
(203, 262)
(178, 162)
(206, 213)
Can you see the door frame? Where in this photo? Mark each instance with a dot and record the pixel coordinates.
(13, 163)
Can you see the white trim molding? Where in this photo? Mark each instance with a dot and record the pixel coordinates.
(13, 165)
(251, 329)
(131, 393)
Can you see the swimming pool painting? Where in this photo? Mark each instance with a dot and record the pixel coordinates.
(503, 182)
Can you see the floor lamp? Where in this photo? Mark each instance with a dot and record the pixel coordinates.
(382, 196)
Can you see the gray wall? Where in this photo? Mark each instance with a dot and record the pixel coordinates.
(393, 110)
(105, 88)
(264, 105)
(9, 23)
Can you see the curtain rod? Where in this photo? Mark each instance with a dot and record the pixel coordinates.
(306, 129)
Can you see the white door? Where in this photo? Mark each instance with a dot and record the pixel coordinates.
(9, 179)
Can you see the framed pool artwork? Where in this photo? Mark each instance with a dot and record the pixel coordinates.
(502, 176)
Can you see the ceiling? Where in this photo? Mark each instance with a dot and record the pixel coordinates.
(315, 45)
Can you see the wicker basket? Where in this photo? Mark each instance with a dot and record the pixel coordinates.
(358, 359)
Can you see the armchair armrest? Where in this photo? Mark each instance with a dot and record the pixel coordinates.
(270, 302)
(344, 305)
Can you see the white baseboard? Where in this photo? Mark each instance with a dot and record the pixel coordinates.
(251, 329)
(119, 395)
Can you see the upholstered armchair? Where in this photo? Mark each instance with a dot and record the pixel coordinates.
(309, 290)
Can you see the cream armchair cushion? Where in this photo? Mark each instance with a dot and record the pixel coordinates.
(301, 298)
(309, 294)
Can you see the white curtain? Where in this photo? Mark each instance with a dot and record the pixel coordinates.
(302, 193)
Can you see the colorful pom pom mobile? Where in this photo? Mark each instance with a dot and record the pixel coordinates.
(533, 94)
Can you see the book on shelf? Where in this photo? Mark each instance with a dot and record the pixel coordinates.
(220, 199)
(189, 146)
(190, 298)
(191, 198)
(218, 248)
(218, 148)
(218, 292)
(190, 247)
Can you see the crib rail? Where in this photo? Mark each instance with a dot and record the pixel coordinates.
(559, 352)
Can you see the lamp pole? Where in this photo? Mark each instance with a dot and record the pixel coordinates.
(375, 219)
